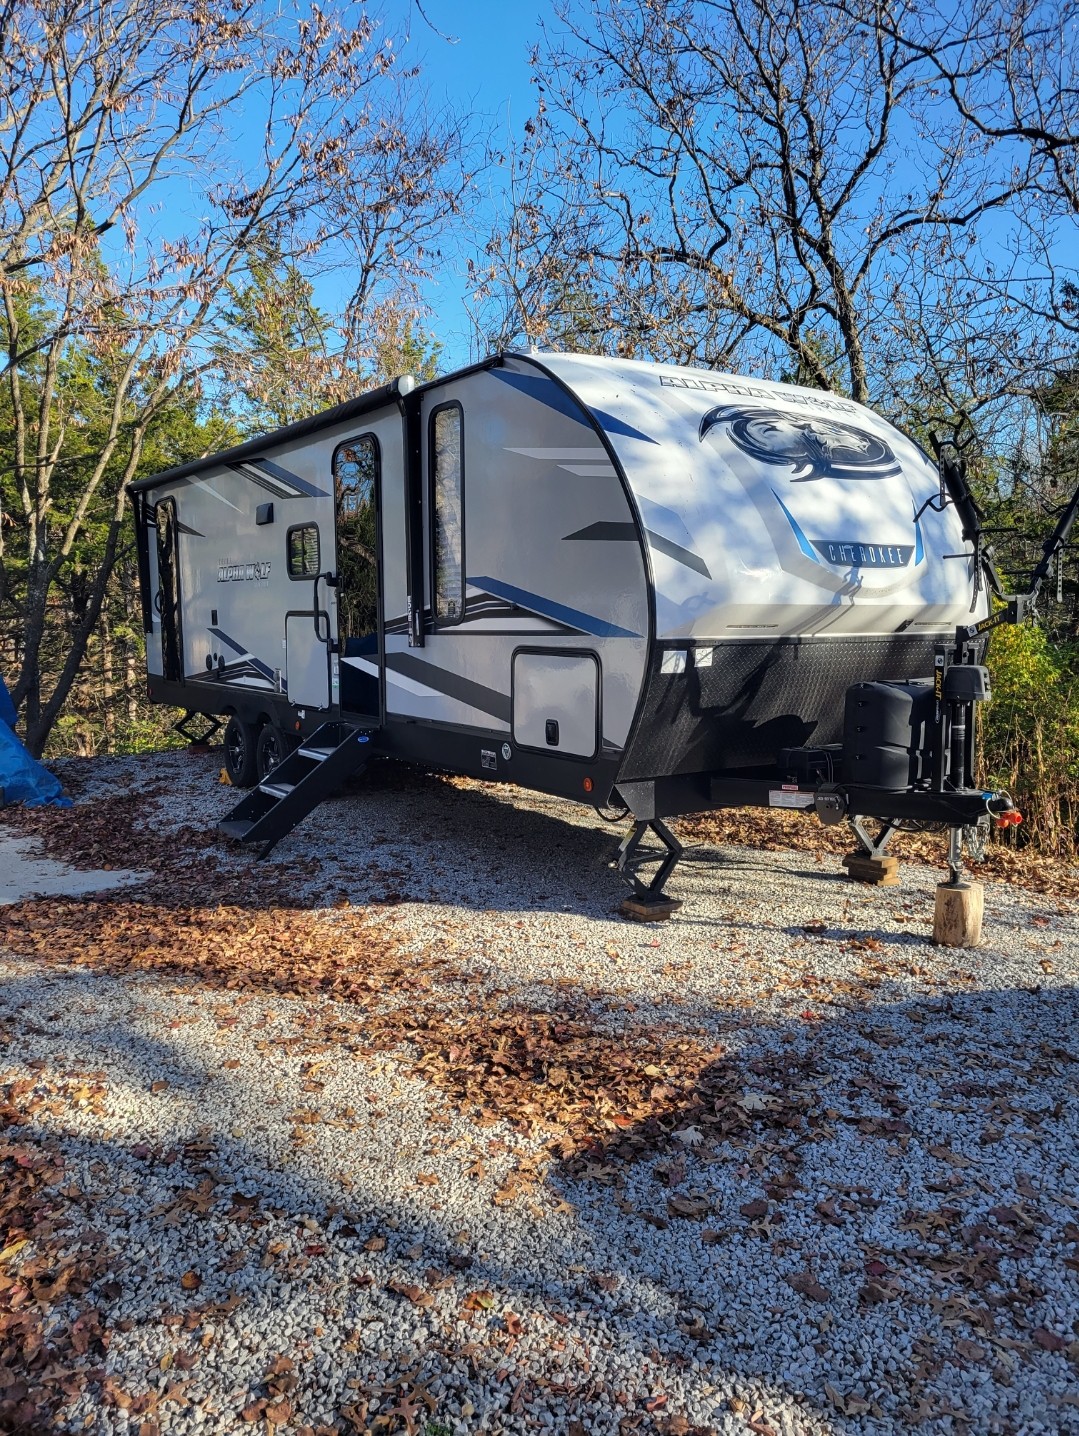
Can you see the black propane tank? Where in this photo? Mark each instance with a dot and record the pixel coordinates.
(888, 733)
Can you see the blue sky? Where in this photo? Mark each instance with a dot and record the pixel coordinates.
(484, 61)
(481, 68)
(473, 58)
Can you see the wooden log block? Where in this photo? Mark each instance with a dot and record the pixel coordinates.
(654, 909)
(957, 919)
(881, 872)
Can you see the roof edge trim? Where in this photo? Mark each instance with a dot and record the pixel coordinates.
(263, 443)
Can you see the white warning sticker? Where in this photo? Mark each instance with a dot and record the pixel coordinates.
(781, 798)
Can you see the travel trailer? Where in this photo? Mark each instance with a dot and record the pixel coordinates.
(663, 589)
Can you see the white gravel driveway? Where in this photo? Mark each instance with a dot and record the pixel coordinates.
(407, 1130)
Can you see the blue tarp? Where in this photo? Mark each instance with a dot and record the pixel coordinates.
(22, 778)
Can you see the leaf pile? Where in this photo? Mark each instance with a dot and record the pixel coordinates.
(185, 864)
(593, 1094)
(48, 1258)
(288, 951)
(778, 831)
(108, 832)
(598, 1094)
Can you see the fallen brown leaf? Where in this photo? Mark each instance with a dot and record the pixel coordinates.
(807, 1285)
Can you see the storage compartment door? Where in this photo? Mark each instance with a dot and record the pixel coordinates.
(556, 702)
(307, 661)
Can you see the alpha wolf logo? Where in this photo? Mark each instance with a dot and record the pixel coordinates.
(814, 448)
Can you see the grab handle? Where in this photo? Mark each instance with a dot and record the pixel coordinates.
(331, 582)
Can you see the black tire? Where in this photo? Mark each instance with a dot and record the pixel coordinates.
(272, 748)
(241, 742)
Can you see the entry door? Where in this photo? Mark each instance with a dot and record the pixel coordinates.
(167, 597)
(357, 468)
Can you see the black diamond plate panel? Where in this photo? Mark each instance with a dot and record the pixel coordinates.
(758, 697)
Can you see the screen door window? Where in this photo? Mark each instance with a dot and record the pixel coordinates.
(167, 598)
(447, 485)
(356, 477)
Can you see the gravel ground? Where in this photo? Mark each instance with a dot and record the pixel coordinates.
(797, 1171)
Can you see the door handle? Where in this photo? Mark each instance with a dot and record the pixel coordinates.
(331, 582)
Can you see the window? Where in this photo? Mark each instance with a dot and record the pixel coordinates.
(447, 486)
(355, 482)
(355, 472)
(303, 554)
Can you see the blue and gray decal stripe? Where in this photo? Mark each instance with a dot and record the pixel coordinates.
(450, 685)
(854, 553)
(606, 532)
(548, 608)
(803, 542)
(256, 663)
(537, 386)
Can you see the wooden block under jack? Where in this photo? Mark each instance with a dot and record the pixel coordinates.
(655, 909)
(957, 918)
(881, 872)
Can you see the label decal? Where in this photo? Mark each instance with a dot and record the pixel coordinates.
(777, 798)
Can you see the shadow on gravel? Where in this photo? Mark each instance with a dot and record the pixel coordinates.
(878, 1210)
(840, 1223)
(396, 834)
(863, 1215)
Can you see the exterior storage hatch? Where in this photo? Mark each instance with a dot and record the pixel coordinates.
(556, 702)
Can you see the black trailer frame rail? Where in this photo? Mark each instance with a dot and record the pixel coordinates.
(835, 801)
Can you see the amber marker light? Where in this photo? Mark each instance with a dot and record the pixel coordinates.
(588, 785)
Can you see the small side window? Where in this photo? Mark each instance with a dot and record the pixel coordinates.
(447, 486)
(303, 554)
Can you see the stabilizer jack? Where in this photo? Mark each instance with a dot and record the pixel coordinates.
(649, 903)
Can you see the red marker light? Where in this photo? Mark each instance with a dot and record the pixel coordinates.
(588, 785)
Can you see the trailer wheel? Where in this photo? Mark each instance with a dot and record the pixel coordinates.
(241, 740)
(271, 748)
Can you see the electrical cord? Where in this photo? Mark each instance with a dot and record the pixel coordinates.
(614, 817)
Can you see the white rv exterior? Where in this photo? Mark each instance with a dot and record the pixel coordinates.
(588, 572)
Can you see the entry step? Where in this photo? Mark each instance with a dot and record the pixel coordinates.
(276, 790)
